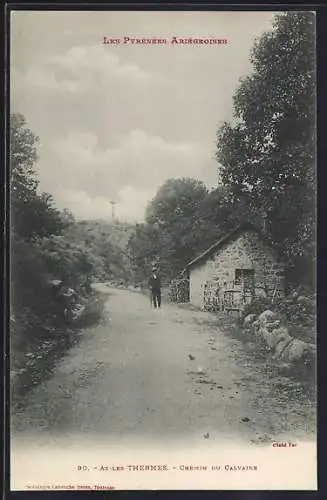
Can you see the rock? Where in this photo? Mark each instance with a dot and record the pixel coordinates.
(286, 368)
(78, 311)
(305, 301)
(267, 317)
(245, 419)
(310, 355)
(267, 337)
(264, 439)
(297, 350)
(251, 347)
(273, 325)
(191, 357)
(249, 319)
(255, 327)
(276, 337)
(204, 381)
(282, 341)
(201, 371)
(279, 336)
(206, 435)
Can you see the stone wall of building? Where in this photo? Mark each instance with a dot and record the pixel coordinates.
(248, 251)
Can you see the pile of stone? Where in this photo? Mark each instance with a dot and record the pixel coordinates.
(267, 327)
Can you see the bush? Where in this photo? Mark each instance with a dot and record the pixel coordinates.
(302, 313)
(93, 312)
(294, 309)
(42, 321)
(257, 306)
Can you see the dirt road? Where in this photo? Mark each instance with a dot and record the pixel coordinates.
(167, 372)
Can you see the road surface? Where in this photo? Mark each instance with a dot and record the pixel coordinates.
(165, 373)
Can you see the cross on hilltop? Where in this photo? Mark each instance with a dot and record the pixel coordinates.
(113, 203)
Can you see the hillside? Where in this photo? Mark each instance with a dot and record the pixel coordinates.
(117, 233)
(107, 243)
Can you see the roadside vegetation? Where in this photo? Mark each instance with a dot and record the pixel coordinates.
(266, 158)
(53, 264)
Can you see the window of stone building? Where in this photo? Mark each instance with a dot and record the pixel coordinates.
(246, 277)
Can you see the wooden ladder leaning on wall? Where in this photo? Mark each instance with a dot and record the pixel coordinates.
(229, 305)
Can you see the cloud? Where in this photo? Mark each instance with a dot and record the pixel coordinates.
(129, 172)
(99, 60)
(137, 158)
(80, 69)
(130, 205)
(83, 205)
(116, 122)
(47, 80)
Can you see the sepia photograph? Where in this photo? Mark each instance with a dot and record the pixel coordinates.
(162, 174)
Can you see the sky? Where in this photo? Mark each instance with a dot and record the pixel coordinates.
(115, 121)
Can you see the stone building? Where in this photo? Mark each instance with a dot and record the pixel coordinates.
(238, 267)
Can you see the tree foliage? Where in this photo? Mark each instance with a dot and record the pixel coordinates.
(40, 253)
(181, 221)
(268, 154)
(106, 244)
(267, 163)
(176, 198)
(174, 215)
(49, 246)
(33, 213)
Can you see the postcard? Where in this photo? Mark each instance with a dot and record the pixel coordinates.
(162, 207)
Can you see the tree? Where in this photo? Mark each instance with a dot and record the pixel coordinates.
(219, 213)
(39, 253)
(106, 243)
(142, 250)
(33, 214)
(268, 155)
(23, 156)
(176, 198)
(66, 261)
(173, 214)
(182, 220)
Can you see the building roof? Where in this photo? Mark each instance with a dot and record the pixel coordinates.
(225, 239)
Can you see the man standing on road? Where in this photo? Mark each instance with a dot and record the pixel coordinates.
(155, 288)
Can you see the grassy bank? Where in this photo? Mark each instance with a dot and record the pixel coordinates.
(28, 369)
(297, 375)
